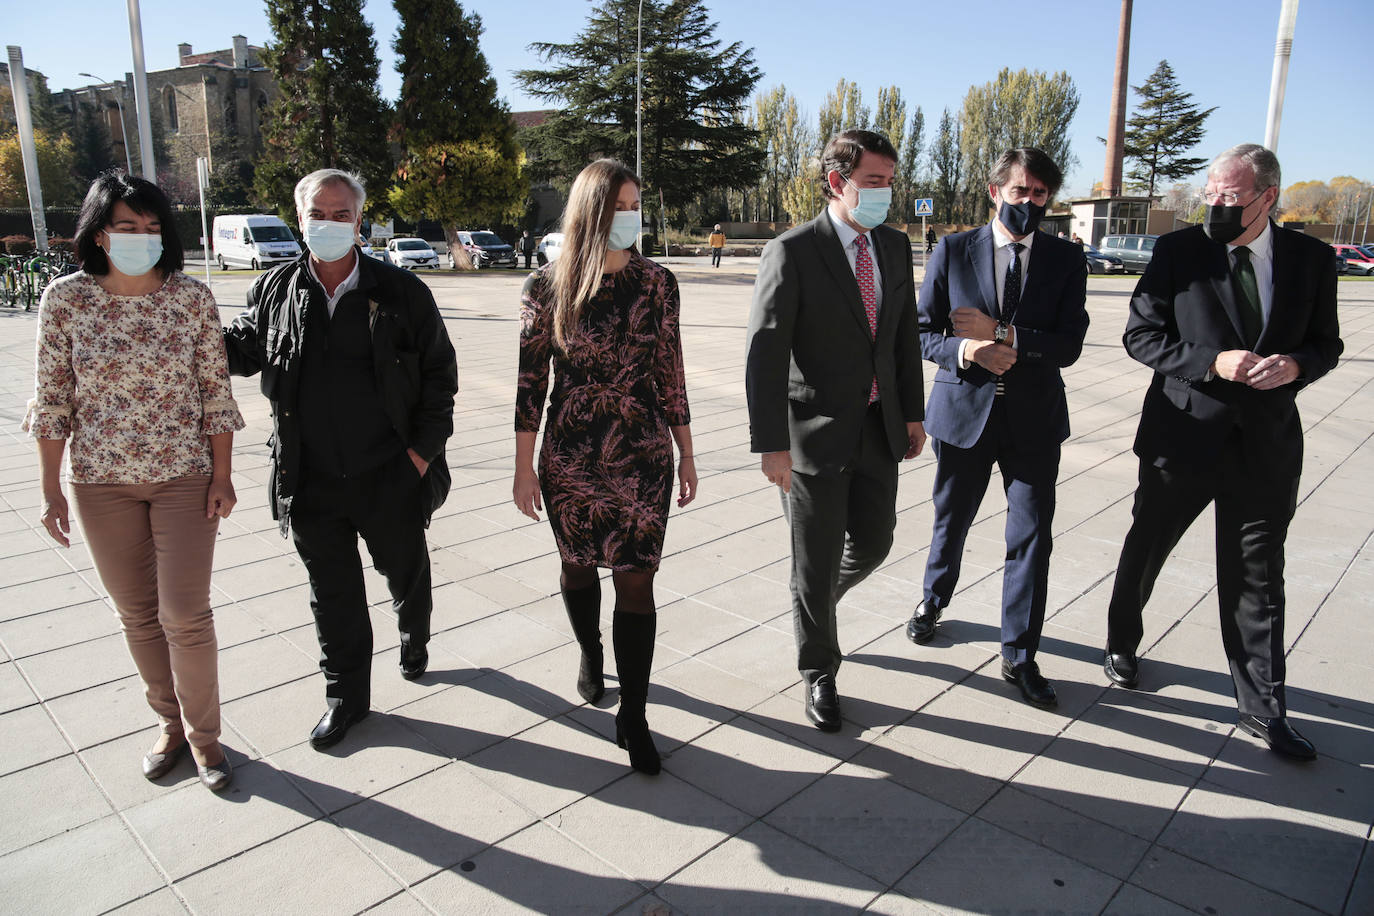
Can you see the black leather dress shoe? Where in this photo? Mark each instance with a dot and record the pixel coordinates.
(334, 724)
(1026, 676)
(921, 627)
(823, 704)
(414, 661)
(1281, 737)
(1123, 668)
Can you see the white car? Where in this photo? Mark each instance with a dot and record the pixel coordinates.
(549, 247)
(412, 254)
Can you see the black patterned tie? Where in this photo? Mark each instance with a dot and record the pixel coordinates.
(1011, 288)
(1251, 312)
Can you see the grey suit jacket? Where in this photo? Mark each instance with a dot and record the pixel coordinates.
(811, 357)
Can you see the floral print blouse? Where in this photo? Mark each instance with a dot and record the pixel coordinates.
(137, 382)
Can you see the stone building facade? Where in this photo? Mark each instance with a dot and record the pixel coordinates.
(210, 104)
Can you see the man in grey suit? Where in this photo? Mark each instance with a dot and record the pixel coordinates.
(833, 379)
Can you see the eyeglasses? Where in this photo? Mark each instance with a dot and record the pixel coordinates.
(1229, 198)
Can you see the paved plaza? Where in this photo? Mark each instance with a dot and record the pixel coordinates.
(488, 787)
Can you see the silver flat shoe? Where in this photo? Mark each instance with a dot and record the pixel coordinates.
(217, 776)
(156, 766)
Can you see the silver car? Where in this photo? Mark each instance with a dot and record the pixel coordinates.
(1135, 251)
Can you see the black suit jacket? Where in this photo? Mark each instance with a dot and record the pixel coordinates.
(1184, 312)
(1051, 322)
(811, 357)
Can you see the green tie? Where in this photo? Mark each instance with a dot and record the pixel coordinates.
(1251, 313)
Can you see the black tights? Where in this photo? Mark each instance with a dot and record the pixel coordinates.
(634, 589)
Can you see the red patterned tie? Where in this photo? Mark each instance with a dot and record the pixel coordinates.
(863, 270)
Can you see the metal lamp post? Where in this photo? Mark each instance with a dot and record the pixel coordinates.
(123, 125)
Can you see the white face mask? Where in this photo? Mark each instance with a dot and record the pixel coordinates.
(329, 240)
(625, 226)
(133, 253)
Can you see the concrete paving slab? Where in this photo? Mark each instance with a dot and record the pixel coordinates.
(762, 870)
(105, 865)
(58, 672)
(1202, 889)
(955, 877)
(1099, 845)
(28, 736)
(270, 879)
(15, 692)
(31, 816)
(536, 871)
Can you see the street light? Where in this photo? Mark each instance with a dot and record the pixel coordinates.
(123, 129)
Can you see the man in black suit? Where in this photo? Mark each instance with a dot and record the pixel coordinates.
(1003, 309)
(833, 378)
(1235, 317)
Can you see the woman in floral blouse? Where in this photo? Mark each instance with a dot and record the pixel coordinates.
(608, 320)
(131, 368)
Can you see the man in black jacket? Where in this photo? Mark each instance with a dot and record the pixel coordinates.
(361, 377)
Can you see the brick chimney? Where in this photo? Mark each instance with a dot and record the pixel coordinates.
(1116, 124)
(183, 52)
(240, 53)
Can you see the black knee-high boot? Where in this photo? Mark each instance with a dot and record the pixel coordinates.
(584, 613)
(633, 637)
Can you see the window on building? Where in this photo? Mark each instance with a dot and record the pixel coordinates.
(170, 96)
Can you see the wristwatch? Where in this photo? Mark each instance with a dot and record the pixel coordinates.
(1000, 335)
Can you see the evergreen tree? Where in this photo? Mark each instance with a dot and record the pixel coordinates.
(1165, 126)
(694, 92)
(330, 112)
(459, 158)
(91, 144)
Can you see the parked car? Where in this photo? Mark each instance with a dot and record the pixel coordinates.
(411, 253)
(1357, 261)
(1134, 251)
(1099, 263)
(549, 247)
(253, 240)
(485, 248)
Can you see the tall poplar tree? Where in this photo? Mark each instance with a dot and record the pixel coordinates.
(1165, 126)
(459, 159)
(694, 94)
(330, 112)
(946, 163)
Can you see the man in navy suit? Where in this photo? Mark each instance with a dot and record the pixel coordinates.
(1235, 317)
(833, 380)
(1002, 310)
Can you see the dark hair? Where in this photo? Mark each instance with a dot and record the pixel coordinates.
(144, 198)
(1035, 162)
(844, 149)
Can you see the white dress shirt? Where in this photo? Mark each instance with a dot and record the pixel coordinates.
(847, 236)
(1001, 260)
(349, 283)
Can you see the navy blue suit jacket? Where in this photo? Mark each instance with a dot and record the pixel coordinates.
(1051, 322)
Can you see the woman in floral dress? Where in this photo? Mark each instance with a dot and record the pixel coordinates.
(608, 320)
(131, 368)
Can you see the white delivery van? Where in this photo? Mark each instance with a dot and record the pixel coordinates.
(253, 240)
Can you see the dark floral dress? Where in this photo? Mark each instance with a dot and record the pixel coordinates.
(606, 466)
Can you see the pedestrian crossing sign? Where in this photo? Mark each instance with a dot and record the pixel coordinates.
(924, 207)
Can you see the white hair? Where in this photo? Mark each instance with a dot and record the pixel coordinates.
(310, 185)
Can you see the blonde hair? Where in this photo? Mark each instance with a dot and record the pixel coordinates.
(587, 218)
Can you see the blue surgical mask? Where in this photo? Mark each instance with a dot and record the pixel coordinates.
(133, 253)
(873, 205)
(625, 226)
(329, 240)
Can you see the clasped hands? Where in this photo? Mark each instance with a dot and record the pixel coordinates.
(1259, 372)
(980, 329)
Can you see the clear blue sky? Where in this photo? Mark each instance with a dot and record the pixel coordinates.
(933, 50)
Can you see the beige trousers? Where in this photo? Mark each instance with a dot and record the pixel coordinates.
(153, 548)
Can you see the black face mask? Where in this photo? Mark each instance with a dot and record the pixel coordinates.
(1022, 218)
(1223, 224)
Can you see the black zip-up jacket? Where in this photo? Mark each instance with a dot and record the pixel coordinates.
(416, 369)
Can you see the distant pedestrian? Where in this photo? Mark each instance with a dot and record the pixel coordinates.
(717, 243)
(130, 367)
(527, 247)
(930, 240)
